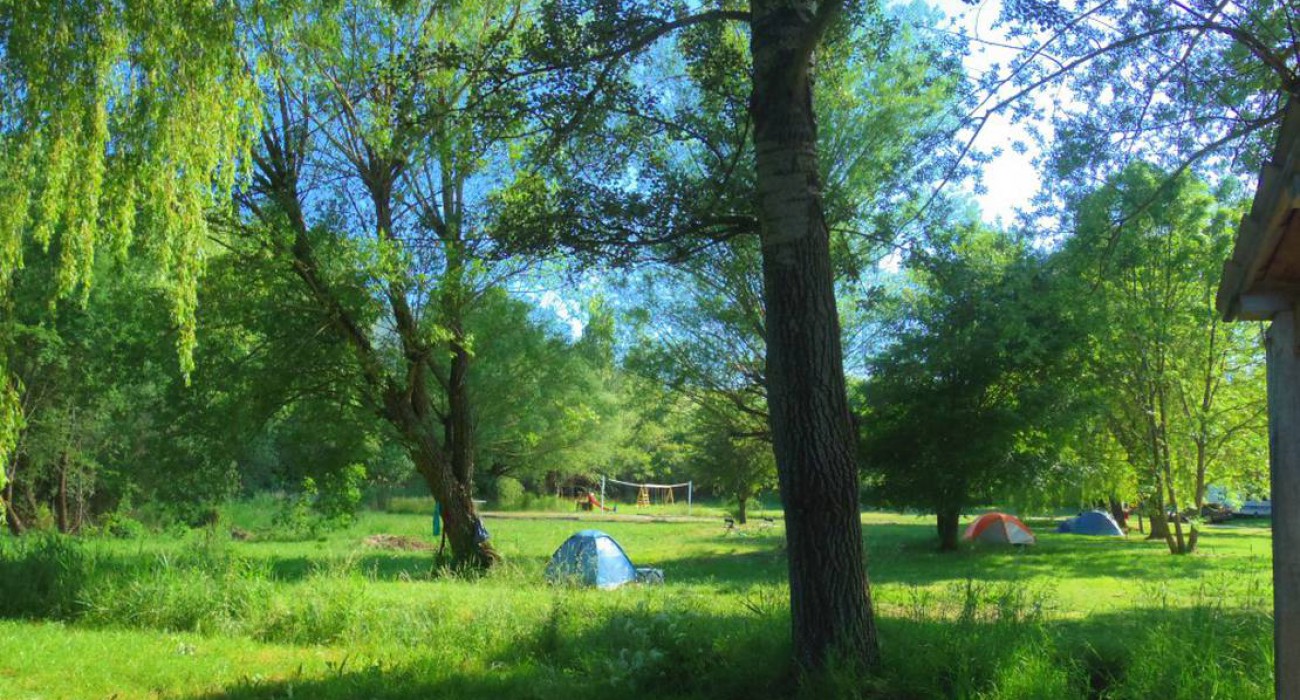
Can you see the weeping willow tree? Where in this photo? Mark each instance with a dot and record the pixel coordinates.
(121, 123)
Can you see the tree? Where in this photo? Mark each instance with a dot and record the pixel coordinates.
(109, 421)
(120, 120)
(968, 401)
(1184, 392)
(1188, 84)
(729, 458)
(385, 126)
(651, 202)
(545, 404)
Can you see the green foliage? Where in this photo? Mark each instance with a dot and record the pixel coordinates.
(1208, 103)
(643, 176)
(121, 525)
(654, 433)
(544, 403)
(127, 119)
(731, 457)
(1179, 392)
(340, 494)
(44, 576)
(105, 411)
(970, 403)
(293, 517)
(507, 492)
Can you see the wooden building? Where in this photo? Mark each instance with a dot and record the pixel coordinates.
(1261, 282)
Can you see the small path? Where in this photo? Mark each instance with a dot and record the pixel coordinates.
(599, 517)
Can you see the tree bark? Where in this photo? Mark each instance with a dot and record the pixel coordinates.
(1117, 511)
(812, 439)
(1159, 523)
(1199, 497)
(61, 498)
(741, 503)
(12, 520)
(947, 521)
(464, 531)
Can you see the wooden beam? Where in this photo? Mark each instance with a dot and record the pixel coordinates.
(1264, 228)
(1284, 459)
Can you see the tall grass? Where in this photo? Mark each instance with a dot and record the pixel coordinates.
(44, 576)
(505, 634)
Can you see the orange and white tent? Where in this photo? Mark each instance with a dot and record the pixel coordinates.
(999, 527)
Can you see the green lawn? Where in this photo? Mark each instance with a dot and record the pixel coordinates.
(198, 616)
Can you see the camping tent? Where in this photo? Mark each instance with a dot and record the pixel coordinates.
(1094, 522)
(999, 527)
(591, 558)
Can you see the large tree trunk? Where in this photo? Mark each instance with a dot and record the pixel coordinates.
(470, 548)
(947, 521)
(830, 602)
(1159, 522)
(454, 492)
(741, 502)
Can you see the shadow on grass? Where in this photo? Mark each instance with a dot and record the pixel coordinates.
(381, 566)
(906, 554)
(990, 651)
(633, 651)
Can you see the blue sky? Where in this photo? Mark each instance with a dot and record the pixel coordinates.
(1011, 178)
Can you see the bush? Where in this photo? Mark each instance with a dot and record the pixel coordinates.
(122, 526)
(44, 576)
(293, 517)
(340, 495)
(508, 492)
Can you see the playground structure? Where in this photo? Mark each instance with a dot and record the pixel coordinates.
(648, 495)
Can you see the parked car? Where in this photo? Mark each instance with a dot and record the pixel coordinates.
(1216, 513)
(1256, 509)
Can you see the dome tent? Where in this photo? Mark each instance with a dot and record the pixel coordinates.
(591, 558)
(1001, 528)
(1094, 522)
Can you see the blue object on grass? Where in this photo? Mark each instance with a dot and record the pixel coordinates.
(591, 558)
(1093, 522)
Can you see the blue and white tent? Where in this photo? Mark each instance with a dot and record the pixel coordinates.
(1094, 522)
(591, 558)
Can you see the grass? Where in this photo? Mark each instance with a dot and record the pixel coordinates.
(197, 615)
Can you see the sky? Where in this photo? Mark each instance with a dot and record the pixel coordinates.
(1011, 178)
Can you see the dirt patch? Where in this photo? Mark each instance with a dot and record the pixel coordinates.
(404, 543)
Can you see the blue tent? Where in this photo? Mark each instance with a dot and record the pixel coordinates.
(1094, 522)
(591, 558)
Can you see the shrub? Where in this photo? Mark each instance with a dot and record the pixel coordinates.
(340, 495)
(122, 526)
(293, 517)
(509, 493)
(44, 576)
